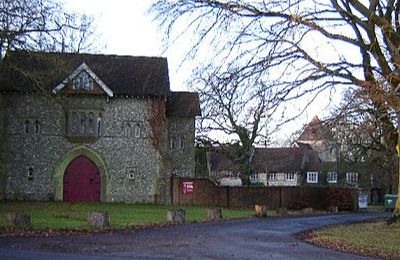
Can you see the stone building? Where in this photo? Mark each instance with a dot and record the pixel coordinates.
(80, 127)
(320, 139)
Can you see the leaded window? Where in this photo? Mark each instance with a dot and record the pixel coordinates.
(84, 123)
(83, 81)
(138, 131)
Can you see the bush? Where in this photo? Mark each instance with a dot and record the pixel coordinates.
(257, 184)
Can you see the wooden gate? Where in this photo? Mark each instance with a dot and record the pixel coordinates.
(82, 180)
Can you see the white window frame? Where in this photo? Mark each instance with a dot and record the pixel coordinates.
(352, 177)
(331, 177)
(312, 177)
(255, 176)
(289, 176)
(271, 176)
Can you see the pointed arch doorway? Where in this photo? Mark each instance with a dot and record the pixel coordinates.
(82, 180)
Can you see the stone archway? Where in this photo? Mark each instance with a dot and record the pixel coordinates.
(64, 162)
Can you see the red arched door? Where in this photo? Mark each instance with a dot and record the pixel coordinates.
(82, 180)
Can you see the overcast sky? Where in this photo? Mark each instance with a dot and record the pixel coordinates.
(126, 29)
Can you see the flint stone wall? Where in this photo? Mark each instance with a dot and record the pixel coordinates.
(121, 155)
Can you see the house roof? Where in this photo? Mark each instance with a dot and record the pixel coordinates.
(124, 75)
(315, 131)
(183, 104)
(286, 159)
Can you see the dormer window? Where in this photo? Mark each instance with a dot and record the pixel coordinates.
(83, 82)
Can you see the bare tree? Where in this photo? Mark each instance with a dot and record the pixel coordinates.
(43, 25)
(315, 44)
(232, 110)
(366, 134)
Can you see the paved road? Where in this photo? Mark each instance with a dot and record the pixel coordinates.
(270, 238)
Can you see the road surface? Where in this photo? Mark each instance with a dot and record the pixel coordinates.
(253, 238)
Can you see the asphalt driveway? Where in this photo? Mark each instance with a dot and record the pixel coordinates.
(254, 238)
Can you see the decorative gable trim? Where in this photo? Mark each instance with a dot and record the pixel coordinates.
(83, 67)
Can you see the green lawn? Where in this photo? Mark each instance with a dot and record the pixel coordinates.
(375, 238)
(63, 215)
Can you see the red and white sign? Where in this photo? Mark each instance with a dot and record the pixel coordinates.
(188, 187)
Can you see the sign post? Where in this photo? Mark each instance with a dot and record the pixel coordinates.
(188, 187)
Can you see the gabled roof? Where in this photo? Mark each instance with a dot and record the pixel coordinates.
(124, 75)
(183, 104)
(83, 67)
(287, 159)
(315, 131)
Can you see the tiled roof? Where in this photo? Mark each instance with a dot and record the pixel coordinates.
(124, 75)
(183, 104)
(287, 159)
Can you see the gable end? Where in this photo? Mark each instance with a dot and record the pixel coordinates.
(73, 75)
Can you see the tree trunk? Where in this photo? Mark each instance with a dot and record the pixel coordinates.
(396, 212)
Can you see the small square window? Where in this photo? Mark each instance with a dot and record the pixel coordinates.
(289, 176)
(131, 173)
(254, 177)
(331, 177)
(272, 176)
(30, 172)
(312, 177)
(352, 177)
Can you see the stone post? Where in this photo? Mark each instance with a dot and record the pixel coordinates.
(214, 213)
(18, 220)
(98, 219)
(176, 216)
(261, 210)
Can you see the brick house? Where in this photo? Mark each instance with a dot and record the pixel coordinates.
(80, 127)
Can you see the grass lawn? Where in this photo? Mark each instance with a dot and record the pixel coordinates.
(64, 215)
(377, 238)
